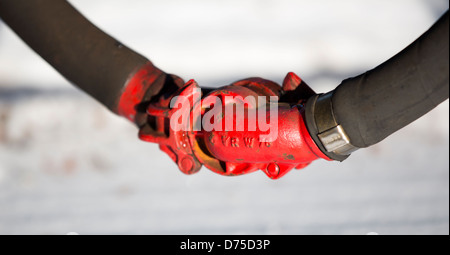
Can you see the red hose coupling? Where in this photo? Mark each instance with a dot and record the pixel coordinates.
(252, 124)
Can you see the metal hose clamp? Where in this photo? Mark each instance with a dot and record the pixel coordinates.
(329, 136)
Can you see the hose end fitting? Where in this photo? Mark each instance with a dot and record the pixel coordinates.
(323, 127)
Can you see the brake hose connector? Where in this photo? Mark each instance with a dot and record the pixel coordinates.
(237, 144)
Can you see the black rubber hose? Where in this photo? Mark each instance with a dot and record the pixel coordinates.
(82, 53)
(373, 105)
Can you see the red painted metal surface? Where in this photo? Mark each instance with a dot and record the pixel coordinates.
(137, 86)
(228, 151)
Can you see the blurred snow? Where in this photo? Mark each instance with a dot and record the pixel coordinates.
(69, 165)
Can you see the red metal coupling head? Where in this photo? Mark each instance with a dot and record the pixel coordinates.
(252, 124)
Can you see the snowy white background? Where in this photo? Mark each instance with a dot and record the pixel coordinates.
(69, 165)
